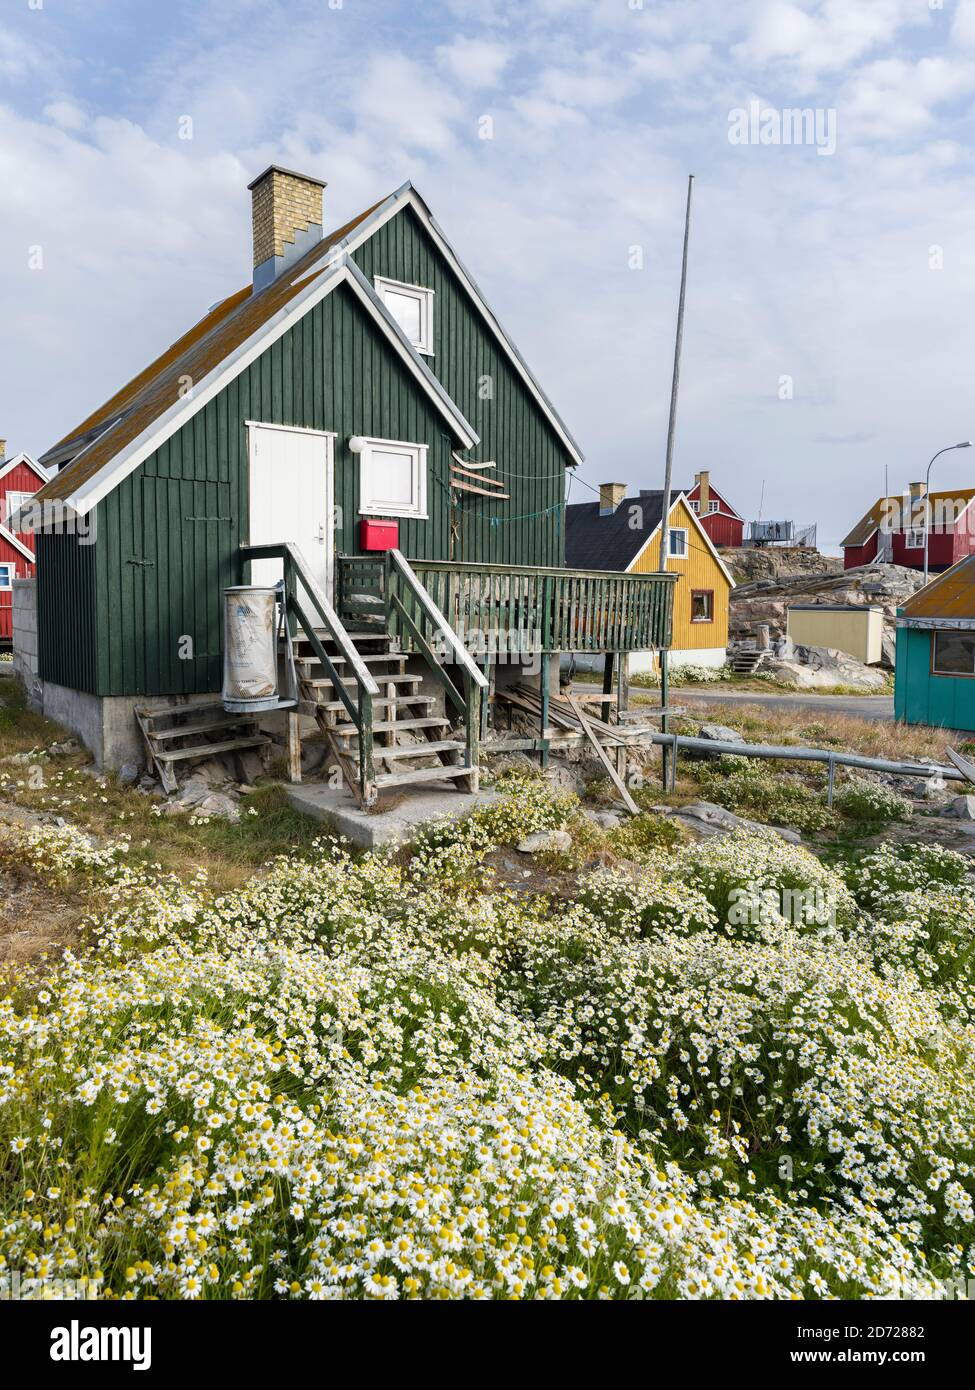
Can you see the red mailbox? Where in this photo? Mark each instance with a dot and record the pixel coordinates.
(378, 535)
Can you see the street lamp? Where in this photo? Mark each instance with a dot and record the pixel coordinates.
(965, 444)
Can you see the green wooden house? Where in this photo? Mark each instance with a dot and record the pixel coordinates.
(935, 662)
(356, 404)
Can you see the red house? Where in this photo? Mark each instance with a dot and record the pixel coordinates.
(892, 531)
(20, 478)
(718, 518)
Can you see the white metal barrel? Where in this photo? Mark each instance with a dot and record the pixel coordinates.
(250, 662)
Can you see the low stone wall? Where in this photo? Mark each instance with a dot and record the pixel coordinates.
(25, 639)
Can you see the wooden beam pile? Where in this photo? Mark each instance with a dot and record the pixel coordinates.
(466, 476)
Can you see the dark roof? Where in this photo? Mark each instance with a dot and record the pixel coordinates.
(594, 542)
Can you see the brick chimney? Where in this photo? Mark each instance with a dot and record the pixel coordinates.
(3, 448)
(610, 496)
(286, 211)
(918, 489)
(703, 480)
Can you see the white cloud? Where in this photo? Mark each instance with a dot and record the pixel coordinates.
(824, 35)
(893, 98)
(474, 63)
(963, 24)
(19, 59)
(66, 114)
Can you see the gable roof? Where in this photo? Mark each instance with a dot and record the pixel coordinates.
(726, 508)
(151, 414)
(950, 595)
(408, 196)
(116, 438)
(7, 465)
(870, 521)
(610, 543)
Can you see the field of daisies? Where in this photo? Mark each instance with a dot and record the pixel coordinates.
(395, 1077)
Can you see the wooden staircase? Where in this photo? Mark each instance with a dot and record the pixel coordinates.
(411, 743)
(745, 661)
(191, 732)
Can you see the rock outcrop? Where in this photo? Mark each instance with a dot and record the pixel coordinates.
(767, 600)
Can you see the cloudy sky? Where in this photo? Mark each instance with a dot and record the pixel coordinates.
(829, 332)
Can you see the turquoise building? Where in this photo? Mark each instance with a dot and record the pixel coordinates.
(935, 665)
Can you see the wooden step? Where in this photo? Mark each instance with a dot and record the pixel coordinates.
(385, 726)
(318, 682)
(420, 750)
(382, 702)
(423, 774)
(386, 658)
(211, 750)
(191, 730)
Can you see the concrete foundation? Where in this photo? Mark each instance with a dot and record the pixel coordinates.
(25, 639)
(420, 807)
(107, 725)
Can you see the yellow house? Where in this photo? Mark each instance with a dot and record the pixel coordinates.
(623, 533)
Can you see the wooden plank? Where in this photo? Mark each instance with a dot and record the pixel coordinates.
(209, 750)
(294, 748)
(966, 768)
(480, 491)
(455, 468)
(615, 778)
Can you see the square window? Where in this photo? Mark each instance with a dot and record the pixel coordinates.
(914, 540)
(412, 308)
(678, 542)
(695, 506)
(6, 576)
(702, 605)
(393, 479)
(954, 654)
(713, 506)
(14, 502)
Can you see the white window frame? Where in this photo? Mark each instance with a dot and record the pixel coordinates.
(914, 538)
(671, 553)
(10, 569)
(418, 510)
(713, 506)
(424, 297)
(695, 506)
(13, 502)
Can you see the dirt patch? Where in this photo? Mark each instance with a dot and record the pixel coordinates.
(34, 922)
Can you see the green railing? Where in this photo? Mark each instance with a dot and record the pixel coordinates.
(416, 623)
(502, 609)
(360, 709)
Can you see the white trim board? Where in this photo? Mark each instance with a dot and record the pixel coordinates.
(8, 466)
(407, 196)
(344, 272)
(11, 539)
(704, 536)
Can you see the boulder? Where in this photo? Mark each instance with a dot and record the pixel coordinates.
(961, 807)
(607, 820)
(128, 774)
(718, 819)
(550, 841)
(717, 733)
(816, 667)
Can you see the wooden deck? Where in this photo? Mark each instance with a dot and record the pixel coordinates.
(505, 609)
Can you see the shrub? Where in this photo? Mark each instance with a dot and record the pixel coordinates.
(753, 788)
(872, 802)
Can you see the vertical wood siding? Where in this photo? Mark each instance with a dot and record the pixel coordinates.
(139, 613)
(530, 528)
(700, 570)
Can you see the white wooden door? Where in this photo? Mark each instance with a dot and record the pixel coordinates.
(291, 492)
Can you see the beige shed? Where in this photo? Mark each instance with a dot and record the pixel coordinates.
(846, 627)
